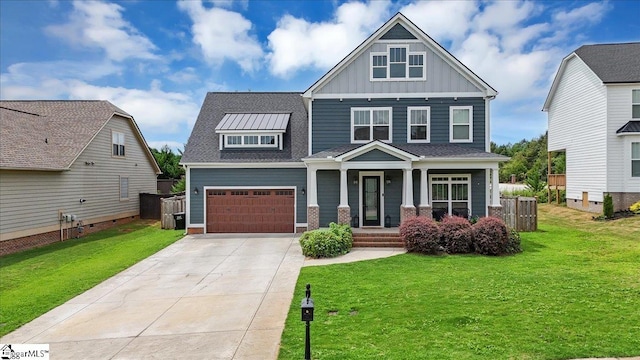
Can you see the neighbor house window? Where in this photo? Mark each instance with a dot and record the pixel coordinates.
(398, 63)
(635, 104)
(124, 188)
(252, 140)
(461, 124)
(452, 193)
(117, 140)
(369, 124)
(635, 159)
(418, 119)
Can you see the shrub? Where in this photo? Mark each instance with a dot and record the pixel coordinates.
(635, 208)
(337, 240)
(513, 245)
(456, 235)
(607, 206)
(490, 236)
(421, 234)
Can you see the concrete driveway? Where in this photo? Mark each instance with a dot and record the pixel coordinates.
(204, 297)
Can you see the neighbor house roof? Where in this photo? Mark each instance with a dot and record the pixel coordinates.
(630, 127)
(203, 145)
(51, 134)
(611, 63)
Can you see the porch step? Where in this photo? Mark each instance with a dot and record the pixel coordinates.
(377, 240)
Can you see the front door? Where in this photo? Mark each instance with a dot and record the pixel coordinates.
(371, 201)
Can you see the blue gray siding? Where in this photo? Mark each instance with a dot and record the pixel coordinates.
(332, 120)
(440, 76)
(247, 177)
(375, 155)
(328, 195)
(397, 32)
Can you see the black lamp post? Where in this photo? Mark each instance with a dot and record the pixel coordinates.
(307, 316)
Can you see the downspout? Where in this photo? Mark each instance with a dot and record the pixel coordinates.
(187, 199)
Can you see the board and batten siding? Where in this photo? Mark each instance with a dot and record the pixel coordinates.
(331, 123)
(440, 76)
(30, 200)
(577, 124)
(619, 113)
(258, 178)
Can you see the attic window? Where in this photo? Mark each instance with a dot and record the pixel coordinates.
(252, 130)
(398, 63)
(117, 141)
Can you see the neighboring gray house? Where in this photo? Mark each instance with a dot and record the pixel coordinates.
(397, 128)
(81, 158)
(594, 116)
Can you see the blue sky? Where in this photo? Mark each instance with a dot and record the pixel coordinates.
(157, 59)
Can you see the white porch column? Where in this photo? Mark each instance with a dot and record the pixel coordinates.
(312, 187)
(344, 196)
(408, 184)
(424, 189)
(495, 187)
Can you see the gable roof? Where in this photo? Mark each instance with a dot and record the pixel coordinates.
(611, 63)
(51, 134)
(204, 147)
(399, 18)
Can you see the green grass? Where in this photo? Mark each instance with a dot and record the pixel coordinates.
(574, 292)
(35, 281)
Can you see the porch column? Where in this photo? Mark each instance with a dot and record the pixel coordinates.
(424, 208)
(495, 209)
(313, 210)
(344, 212)
(407, 209)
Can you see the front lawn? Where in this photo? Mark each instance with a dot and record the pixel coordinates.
(35, 281)
(573, 293)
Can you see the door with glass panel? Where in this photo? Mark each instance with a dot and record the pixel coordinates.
(371, 201)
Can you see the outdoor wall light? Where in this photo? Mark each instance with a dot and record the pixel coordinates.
(355, 180)
(304, 191)
(196, 191)
(387, 180)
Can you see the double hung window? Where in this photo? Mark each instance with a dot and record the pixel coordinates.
(369, 124)
(117, 141)
(635, 159)
(418, 119)
(461, 124)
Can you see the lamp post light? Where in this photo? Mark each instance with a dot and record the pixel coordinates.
(307, 316)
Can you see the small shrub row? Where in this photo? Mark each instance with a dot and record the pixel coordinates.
(326, 243)
(635, 208)
(456, 235)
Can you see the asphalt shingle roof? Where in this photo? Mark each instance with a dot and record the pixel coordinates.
(630, 127)
(49, 135)
(426, 150)
(203, 143)
(613, 63)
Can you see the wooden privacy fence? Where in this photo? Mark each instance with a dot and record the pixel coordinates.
(170, 206)
(520, 213)
(150, 206)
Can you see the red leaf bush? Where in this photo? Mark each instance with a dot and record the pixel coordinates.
(421, 234)
(456, 235)
(490, 236)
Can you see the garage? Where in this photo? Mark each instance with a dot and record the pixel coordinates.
(250, 211)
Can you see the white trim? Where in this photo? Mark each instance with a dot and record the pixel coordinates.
(120, 177)
(449, 183)
(487, 125)
(398, 44)
(371, 55)
(302, 225)
(632, 159)
(243, 136)
(310, 129)
(380, 174)
(187, 205)
(487, 187)
(295, 198)
(400, 95)
(241, 165)
(411, 108)
(196, 226)
(376, 145)
(371, 124)
(451, 109)
(249, 132)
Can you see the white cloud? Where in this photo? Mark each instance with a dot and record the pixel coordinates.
(442, 20)
(297, 44)
(223, 35)
(591, 13)
(100, 25)
(186, 75)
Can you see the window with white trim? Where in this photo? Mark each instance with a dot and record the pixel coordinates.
(635, 159)
(251, 140)
(461, 124)
(398, 63)
(124, 188)
(418, 123)
(635, 104)
(369, 124)
(451, 192)
(117, 141)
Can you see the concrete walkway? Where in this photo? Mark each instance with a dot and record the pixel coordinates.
(206, 297)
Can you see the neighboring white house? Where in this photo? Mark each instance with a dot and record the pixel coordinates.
(81, 158)
(594, 116)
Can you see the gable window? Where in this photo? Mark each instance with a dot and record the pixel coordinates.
(635, 104)
(451, 193)
(418, 119)
(124, 188)
(252, 130)
(635, 159)
(369, 124)
(461, 124)
(398, 63)
(117, 141)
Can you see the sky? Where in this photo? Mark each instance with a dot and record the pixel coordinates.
(158, 59)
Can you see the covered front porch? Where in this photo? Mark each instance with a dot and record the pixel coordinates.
(377, 185)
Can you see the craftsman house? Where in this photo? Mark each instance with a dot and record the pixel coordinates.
(66, 168)
(594, 116)
(399, 127)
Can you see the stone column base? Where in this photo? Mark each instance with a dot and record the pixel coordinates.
(344, 215)
(495, 211)
(425, 210)
(407, 212)
(313, 217)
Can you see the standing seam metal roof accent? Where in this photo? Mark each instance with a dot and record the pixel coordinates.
(254, 121)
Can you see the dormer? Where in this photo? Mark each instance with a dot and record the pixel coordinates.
(252, 130)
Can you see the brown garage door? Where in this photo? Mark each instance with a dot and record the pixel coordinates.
(250, 211)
